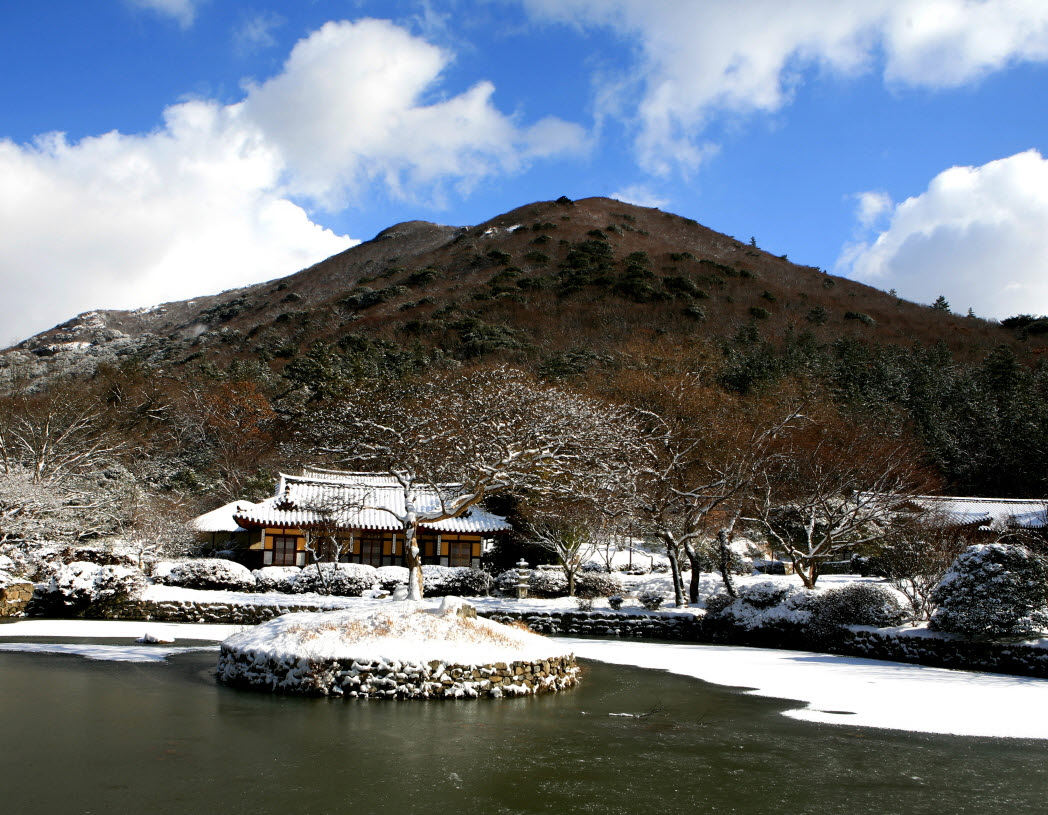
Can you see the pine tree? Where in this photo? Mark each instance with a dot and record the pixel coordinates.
(941, 304)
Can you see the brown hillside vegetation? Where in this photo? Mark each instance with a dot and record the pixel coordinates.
(662, 280)
(595, 294)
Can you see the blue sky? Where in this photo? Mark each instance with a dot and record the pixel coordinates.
(158, 149)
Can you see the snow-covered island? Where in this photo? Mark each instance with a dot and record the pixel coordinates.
(405, 650)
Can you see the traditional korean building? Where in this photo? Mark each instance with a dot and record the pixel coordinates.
(359, 512)
(984, 515)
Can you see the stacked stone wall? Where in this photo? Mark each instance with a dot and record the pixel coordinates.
(181, 611)
(601, 624)
(370, 679)
(14, 598)
(1006, 657)
(1018, 658)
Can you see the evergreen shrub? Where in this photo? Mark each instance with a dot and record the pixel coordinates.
(994, 590)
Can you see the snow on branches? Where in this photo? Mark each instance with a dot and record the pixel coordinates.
(469, 437)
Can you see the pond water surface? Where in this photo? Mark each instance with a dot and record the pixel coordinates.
(78, 736)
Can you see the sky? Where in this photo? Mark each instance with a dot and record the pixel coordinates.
(153, 150)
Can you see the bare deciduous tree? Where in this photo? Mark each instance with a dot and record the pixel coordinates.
(157, 527)
(700, 457)
(573, 529)
(831, 486)
(451, 442)
(915, 554)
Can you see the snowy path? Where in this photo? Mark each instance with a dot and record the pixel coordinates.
(874, 693)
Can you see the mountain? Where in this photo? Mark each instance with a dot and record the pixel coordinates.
(539, 285)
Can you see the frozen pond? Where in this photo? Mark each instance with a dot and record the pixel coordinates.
(84, 736)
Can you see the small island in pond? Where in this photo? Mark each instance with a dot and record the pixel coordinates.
(404, 650)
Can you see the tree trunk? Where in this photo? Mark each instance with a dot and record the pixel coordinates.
(571, 582)
(678, 584)
(724, 562)
(414, 561)
(806, 572)
(696, 573)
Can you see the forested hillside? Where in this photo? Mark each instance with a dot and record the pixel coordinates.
(199, 401)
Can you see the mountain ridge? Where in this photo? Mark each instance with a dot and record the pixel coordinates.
(542, 271)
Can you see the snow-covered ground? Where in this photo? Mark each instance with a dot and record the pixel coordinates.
(872, 693)
(405, 632)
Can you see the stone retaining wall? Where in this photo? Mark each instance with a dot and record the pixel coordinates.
(14, 598)
(1013, 658)
(604, 624)
(968, 655)
(170, 611)
(393, 680)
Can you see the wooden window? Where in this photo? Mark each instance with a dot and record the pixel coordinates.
(284, 550)
(371, 548)
(460, 553)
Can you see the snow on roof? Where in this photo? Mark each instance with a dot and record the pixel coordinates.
(221, 519)
(342, 477)
(357, 501)
(989, 514)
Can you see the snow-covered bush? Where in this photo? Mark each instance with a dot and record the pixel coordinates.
(652, 600)
(765, 593)
(615, 602)
(764, 606)
(460, 581)
(857, 604)
(597, 584)
(994, 589)
(584, 603)
(38, 562)
(341, 579)
(80, 584)
(206, 573)
(276, 578)
(391, 578)
(716, 603)
(102, 555)
(549, 582)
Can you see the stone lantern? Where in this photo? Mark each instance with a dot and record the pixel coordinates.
(523, 573)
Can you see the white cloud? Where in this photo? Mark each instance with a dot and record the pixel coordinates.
(978, 235)
(640, 195)
(182, 11)
(348, 111)
(120, 221)
(255, 33)
(205, 202)
(873, 205)
(698, 60)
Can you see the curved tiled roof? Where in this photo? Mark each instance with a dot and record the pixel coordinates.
(358, 501)
(996, 514)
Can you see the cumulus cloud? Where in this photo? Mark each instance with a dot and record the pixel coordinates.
(119, 221)
(348, 111)
(182, 11)
(698, 60)
(978, 235)
(207, 201)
